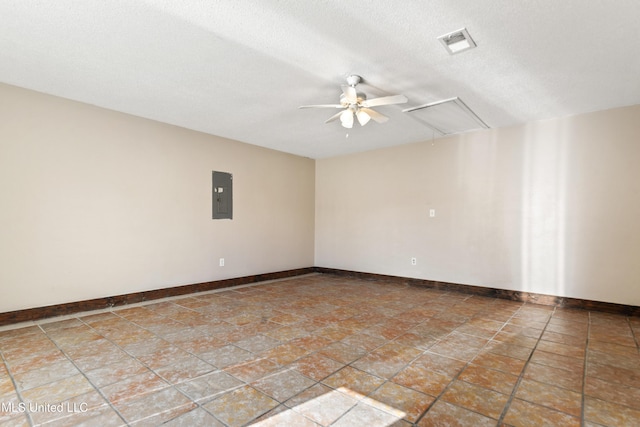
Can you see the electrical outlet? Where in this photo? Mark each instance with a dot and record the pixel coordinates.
(221, 262)
(432, 213)
(414, 261)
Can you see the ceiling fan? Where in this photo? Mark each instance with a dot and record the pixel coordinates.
(355, 104)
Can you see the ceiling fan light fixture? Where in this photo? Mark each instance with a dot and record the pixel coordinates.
(346, 118)
(363, 117)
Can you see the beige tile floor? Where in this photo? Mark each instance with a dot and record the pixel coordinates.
(322, 350)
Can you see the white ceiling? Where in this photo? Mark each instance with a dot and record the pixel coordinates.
(239, 69)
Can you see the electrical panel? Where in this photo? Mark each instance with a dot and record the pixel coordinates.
(222, 195)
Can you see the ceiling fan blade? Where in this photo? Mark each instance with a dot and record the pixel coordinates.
(334, 117)
(350, 94)
(385, 100)
(322, 106)
(380, 118)
(346, 118)
(363, 117)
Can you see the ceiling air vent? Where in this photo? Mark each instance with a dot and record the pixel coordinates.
(457, 41)
(448, 116)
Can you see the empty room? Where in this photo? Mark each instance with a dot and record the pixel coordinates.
(335, 213)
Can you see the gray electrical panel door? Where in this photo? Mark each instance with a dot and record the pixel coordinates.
(222, 195)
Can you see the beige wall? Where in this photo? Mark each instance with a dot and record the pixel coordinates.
(551, 207)
(97, 203)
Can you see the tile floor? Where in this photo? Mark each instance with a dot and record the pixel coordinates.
(322, 350)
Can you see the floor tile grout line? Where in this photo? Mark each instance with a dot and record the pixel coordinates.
(387, 380)
(342, 415)
(108, 402)
(155, 414)
(193, 354)
(128, 320)
(524, 369)
(561, 387)
(280, 403)
(363, 401)
(168, 384)
(132, 321)
(365, 397)
(227, 343)
(114, 309)
(425, 350)
(455, 377)
(134, 357)
(15, 386)
(198, 329)
(292, 408)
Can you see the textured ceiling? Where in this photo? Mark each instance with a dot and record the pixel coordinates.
(239, 69)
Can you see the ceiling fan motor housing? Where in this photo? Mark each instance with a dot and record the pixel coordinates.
(353, 80)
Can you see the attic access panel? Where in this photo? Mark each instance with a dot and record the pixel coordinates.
(448, 116)
(222, 195)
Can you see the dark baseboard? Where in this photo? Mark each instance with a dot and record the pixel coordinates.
(39, 313)
(528, 297)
